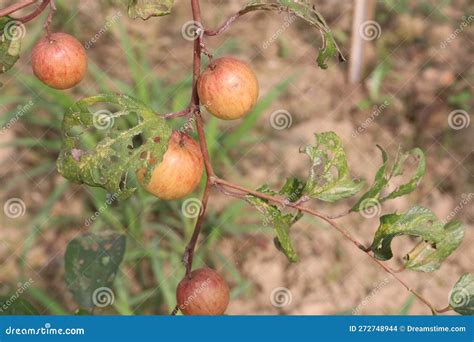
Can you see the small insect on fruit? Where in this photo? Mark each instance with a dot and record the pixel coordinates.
(59, 61)
(205, 292)
(179, 172)
(228, 88)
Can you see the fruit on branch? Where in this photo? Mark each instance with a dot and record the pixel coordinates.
(179, 172)
(204, 292)
(59, 60)
(228, 88)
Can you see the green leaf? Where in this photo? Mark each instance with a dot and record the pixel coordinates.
(292, 191)
(305, 10)
(16, 306)
(439, 240)
(374, 196)
(461, 298)
(149, 8)
(425, 258)
(10, 42)
(121, 150)
(329, 179)
(91, 263)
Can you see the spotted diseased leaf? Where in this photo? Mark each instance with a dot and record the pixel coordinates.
(292, 191)
(375, 195)
(329, 179)
(426, 257)
(439, 240)
(10, 43)
(302, 9)
(121, 149)
(146, 9)
(461, 298)
(91, 263)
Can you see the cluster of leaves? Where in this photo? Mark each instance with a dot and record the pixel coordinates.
(329, 180)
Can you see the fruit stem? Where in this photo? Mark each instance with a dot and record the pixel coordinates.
(47, 24)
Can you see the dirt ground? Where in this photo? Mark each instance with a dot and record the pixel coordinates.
(333, 276)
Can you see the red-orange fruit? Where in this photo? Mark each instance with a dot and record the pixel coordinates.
(205, 292)
(228, 88)
(179, 172)
(59, 61)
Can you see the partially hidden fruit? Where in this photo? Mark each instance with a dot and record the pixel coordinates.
(59, 61)
(179, 172)
(228, 88)
(205, 292)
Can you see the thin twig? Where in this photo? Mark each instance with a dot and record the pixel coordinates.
(315, 213)
(49, 20)
(16, 7)
(224, 26)
(35, 13)
(183, 112)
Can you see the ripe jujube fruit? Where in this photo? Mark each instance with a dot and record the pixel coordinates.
(228, 88)
(205, 292)
(179, 172)
(59, 61)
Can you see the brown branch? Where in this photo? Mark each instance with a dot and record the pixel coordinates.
(35, 13)
(315, 213)
(224, 26)
(16, 7)
(183, 112)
